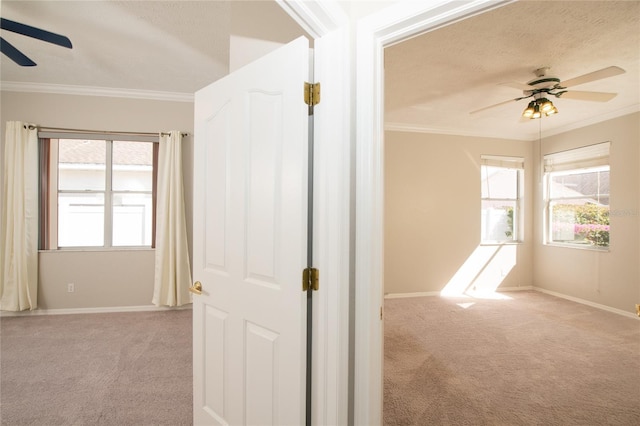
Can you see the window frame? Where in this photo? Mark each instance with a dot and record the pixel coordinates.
(49, 191)
(511, 163)
(580, 160)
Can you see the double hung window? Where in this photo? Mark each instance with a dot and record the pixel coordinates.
(99, 192)
(502, 187)
(577, 197)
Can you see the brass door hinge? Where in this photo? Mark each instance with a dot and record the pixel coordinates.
(311, 93)
(310, 279)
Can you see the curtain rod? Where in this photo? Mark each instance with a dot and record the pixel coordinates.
(98, 132)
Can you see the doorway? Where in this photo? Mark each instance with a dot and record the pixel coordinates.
(376, 32)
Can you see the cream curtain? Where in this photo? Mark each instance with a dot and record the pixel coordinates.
(19, 231)
(172, 268)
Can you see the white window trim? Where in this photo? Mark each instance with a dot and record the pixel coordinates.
(590, 158)
(516, 163)
(108, 192)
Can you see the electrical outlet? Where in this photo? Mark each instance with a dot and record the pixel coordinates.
(71, 287)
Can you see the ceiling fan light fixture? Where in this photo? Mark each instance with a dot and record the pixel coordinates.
(536, 112)
(529, 110)
(539, 106)
(545, 104)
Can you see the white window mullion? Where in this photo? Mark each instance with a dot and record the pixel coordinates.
(108, 209)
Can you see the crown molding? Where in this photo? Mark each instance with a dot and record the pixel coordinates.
(417, 128)
(593, 120)
(62, 89)
(525, 136)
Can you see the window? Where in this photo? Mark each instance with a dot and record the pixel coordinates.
(101, 193)
(577, 197)
(502, 180)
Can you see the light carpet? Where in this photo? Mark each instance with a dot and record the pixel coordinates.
(530, 359)
(97, 369)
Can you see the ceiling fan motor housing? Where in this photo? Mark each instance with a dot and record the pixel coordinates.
(544, 83)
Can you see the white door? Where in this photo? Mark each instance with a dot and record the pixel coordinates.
(250, 243)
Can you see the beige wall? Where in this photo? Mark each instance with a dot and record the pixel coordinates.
(609, 278)
(101, 278)
(432, 215)
(432, 210)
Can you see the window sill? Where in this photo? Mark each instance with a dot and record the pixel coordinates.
(579, 247)
(501, 243)
(96, 249)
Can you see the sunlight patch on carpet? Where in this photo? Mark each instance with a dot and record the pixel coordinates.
(483, 272)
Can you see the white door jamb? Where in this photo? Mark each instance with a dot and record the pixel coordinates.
(384, 28)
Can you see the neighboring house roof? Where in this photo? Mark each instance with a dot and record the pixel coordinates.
(79, 151)
(581, 189)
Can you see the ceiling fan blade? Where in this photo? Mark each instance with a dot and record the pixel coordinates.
(516, 85)
(593, 76)
(495, 105)
(588, 96)
(34, 32)
(14, 54)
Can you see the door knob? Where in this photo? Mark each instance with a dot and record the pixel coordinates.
(196, 288)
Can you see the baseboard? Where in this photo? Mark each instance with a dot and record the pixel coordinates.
(418, 294)
(588, 303)
(99, 310)
(521, 288)
(437, 293)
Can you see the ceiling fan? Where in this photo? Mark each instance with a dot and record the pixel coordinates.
(17, 56)
(544, 86)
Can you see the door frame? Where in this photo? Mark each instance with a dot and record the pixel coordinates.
(391, 25)
(327, 23)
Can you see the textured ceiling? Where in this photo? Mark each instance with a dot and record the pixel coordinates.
(169, 46)
(434, 80)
